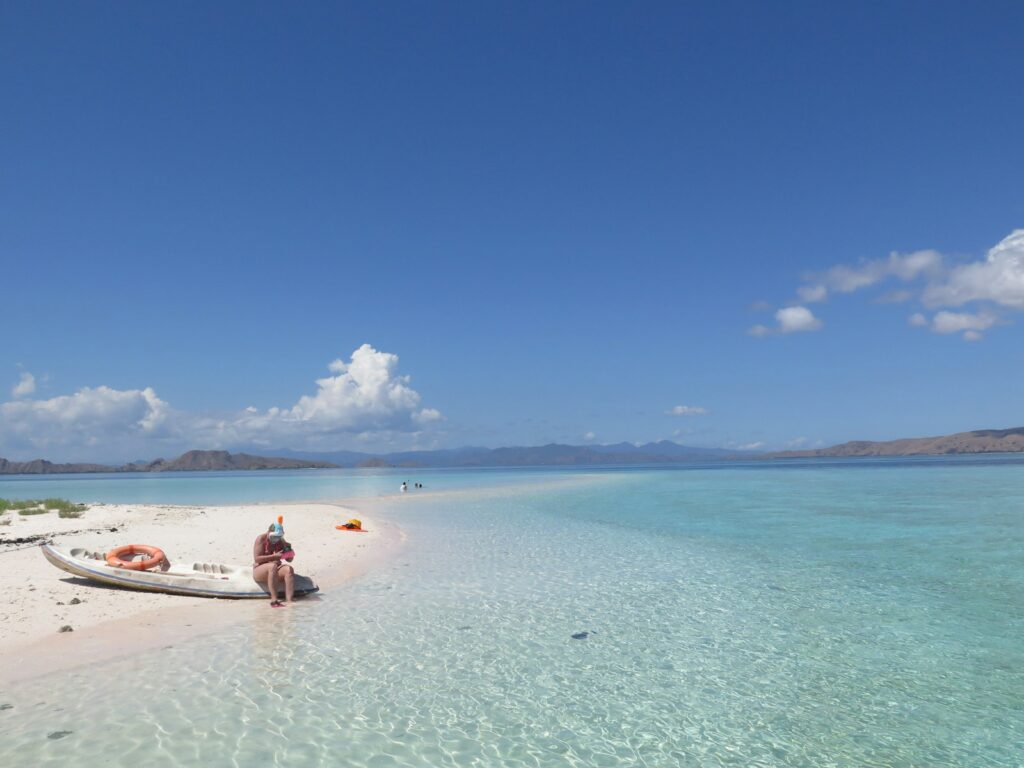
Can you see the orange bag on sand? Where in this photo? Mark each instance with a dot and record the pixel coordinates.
(351, 525)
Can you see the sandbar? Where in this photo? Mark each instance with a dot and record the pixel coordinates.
(108, 622)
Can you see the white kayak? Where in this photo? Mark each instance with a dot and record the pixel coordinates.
(197, 579)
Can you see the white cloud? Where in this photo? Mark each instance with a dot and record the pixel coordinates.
(812, 293)
(796, 320)
(687, 410)
(846, 279)
(957, 322)
(752, 446)
(999, 278)
(26, 385)
(364, 400)
(945, 322)
(933, 279)
(589, 436)
(790, 320)
(365, 394)
(87, 418)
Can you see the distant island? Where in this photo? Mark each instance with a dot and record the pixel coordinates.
(979, 441)
(188, 462)
(554, 454)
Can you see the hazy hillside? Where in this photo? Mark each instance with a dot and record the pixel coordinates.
(191, 461)
(979, 441)
(554, 454)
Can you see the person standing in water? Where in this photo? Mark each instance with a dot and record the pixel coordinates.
(271, 563)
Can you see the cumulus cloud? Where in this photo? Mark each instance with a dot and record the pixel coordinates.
(365, 399)
(794, 319)
(589, 436)
(89, 417)
(26, 385)
(687, 410)
(364, 394)
(998, 279)
(969, 324)
(993, 284)
(956, 322)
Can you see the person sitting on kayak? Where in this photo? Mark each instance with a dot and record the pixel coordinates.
(271, 556)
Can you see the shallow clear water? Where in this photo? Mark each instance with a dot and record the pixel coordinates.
(813, 616)
(249, 487)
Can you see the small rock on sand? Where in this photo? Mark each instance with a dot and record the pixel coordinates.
(66, 628)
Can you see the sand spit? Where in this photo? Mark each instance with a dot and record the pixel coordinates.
(39, 599)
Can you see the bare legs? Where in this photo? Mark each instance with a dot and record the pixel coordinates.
(268, 574)
(288, 574)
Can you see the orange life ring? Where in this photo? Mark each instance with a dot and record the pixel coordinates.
(120, 557)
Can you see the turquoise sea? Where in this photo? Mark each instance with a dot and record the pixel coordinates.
(844, 613)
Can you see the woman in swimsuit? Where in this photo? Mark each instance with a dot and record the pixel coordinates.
(267, 566)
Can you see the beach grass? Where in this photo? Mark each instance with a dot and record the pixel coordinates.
(62, 507)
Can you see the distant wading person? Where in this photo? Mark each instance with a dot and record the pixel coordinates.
(267, 566)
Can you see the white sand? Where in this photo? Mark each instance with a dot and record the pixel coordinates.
(109, 622)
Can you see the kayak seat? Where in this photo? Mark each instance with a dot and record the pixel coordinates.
(216, 568)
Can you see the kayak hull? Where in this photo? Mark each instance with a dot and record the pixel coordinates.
(233, 582)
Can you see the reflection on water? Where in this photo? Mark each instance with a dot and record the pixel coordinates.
(752, 617)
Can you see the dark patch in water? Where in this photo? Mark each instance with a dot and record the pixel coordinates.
(467, 626)
(6, 706)
(58, 734)
(580, 636)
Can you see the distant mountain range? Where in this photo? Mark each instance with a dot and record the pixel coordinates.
(187, 462)
(979, 441)
(554, 454)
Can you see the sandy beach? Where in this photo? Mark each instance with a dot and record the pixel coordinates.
(39, 599)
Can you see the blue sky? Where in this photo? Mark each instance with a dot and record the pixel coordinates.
(559, 220)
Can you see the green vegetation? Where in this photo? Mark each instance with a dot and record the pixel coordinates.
(63, 507)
